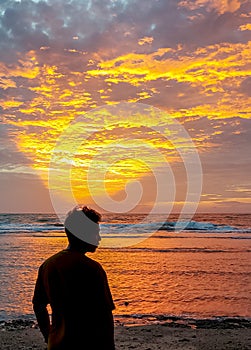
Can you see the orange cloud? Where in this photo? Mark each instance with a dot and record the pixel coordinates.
(10, 104)
(6, 83)
(145, 40)
(221, 6)
(60, 96)
(213, 70)
(245, 27)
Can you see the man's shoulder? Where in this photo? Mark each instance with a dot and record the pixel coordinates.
(65, 257)
(52, 259)
(93, 263)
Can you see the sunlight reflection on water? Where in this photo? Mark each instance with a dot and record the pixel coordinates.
(189, 274)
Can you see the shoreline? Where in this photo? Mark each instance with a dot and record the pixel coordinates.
(207, 334)
(216, 322)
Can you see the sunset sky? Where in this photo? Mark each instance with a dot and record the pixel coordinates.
(61, 60)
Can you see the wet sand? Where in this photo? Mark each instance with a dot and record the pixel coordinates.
(166, 336)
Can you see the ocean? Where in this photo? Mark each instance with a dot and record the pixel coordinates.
(202, 271)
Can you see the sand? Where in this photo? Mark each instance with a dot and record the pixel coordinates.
(166, 336)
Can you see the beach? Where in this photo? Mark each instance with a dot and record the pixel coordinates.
(234, 335)
(173, 290)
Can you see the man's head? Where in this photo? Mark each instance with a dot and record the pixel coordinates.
(82, 228)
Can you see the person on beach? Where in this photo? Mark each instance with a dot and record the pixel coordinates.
(77, 290)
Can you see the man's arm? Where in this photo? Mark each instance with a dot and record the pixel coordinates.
(106, 307)
(40, 302)
(43, 320)
(109, 325)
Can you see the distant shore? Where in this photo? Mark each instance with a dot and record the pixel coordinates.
(227, 334)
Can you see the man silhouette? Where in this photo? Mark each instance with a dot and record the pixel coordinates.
(77, 290)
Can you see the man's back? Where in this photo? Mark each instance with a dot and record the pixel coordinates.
(76, 287)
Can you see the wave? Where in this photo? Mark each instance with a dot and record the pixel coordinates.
(172, 226)
(29, 228)
(200, 226)
(181, 250)
(128, 225)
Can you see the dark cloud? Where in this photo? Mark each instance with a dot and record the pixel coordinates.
(30, 25)
(19, 193)
(12, 160)
(229, 140)
(213, 28)
(123, 91)
(20, 23)
(10, 157)
(20, 93)
(179, 95)
(102, 24)
(226, 160)
(245, 86)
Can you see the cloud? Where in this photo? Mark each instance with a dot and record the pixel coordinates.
(211, 73)
(11, 159)
(220, 6)
(102, 26)
(245, 86)
(226, 161)
(23, 193)
(60, 59)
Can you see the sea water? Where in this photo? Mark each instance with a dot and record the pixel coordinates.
(202, 271)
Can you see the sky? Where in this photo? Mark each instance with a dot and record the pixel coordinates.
(87, 65)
